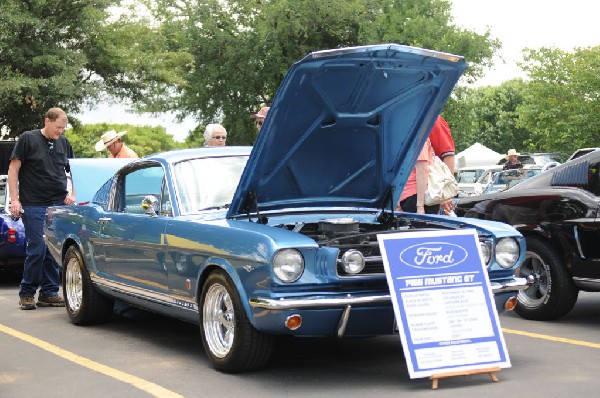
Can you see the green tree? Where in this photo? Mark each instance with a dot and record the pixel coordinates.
(242, 50)
(488, 115)
(73, 52)
(144, 140)
(562, 104)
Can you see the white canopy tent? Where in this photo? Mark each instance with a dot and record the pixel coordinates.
(477, 155)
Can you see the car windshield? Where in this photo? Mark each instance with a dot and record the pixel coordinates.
(468, 176)
(510, 178)
(208, 183)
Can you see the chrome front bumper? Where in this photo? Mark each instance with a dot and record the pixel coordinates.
(513, 285)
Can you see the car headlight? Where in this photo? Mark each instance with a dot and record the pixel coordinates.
(353, 261)
(288, 265)
(485, 248)
(507, 252)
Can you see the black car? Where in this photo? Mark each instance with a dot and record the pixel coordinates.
(558, 213)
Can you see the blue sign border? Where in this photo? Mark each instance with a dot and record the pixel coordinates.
(437, 264)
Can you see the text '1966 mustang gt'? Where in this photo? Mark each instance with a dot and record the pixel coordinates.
(280, 238)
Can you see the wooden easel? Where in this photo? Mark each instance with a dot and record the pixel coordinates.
(434, 378)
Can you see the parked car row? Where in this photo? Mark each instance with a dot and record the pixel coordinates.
(281, 238)
(486, 179)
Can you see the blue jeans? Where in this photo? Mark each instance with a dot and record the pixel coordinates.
(40, 269)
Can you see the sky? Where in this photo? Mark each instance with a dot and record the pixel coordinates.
(517, 23)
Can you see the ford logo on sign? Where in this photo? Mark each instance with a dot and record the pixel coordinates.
(433, 255)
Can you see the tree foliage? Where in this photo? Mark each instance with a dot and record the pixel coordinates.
(554, 110)
(561, 107)
(242, 49)
(144, 140)
(488, 115)
(72, 52)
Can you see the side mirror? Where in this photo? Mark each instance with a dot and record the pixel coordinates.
(149, 205)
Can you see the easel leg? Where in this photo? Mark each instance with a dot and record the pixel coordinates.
(493, 376)
(435, 378)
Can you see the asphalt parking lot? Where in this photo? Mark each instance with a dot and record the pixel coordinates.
(42, 354)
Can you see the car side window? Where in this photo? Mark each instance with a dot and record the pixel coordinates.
(594, 179)
(139, 184)
(166, 208)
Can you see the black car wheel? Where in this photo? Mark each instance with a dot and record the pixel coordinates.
(230, 341)
(553, 293)
(84, 304)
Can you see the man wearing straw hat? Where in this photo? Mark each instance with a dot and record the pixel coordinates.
(512, 160)
(111, 140)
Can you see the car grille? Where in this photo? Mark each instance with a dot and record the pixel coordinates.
(368, 245)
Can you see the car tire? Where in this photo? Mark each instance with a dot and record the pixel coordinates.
(232, 344)
(553, 293)
(84, 304)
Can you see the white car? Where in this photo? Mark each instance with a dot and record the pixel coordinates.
(468, 178)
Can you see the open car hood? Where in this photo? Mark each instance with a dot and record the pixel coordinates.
(345, 128)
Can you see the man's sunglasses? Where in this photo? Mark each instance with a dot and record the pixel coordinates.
(220, 137)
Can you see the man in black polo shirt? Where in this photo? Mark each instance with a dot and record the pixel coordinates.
(37, 179)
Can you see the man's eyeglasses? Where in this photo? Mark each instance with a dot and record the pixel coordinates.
(220, 137)
(259, 123)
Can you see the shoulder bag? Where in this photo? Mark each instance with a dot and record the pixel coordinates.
(441, 184)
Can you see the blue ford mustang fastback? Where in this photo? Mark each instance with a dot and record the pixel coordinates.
(280, 238)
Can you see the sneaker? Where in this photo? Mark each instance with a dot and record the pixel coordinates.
(50, 301)
(27, 303)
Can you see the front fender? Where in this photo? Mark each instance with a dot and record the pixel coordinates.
(242, 274)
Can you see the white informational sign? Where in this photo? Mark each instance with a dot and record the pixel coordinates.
(443, 302)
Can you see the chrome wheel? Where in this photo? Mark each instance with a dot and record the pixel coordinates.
(85, 305)
(73, 284)
(535, 269)
(552, 292)
(231, 343)
(218, 320)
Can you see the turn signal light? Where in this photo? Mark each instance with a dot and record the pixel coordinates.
(510, 304)
(293, 322)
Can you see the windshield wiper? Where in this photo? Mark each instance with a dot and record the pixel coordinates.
(225, 206)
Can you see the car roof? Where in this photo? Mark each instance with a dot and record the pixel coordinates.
(580, 152)
(177, 155)
(487, 167)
